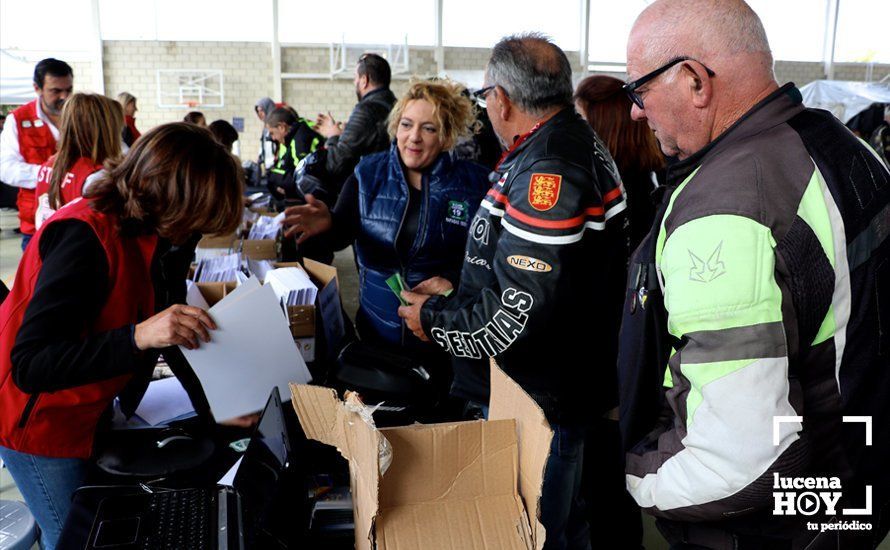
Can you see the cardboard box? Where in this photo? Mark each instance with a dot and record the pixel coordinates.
(258, 249)
(456, 485)
(214, 292)
(216, 241)
(307, 348)
(302, 318)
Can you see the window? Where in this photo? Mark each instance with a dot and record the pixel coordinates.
(610, 24)
(210, 20)
(795, 28)
(862, 32)
(357, 21)
(56, 27)
(471, 23)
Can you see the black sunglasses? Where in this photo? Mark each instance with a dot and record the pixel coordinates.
(631, 87)
(479, 95)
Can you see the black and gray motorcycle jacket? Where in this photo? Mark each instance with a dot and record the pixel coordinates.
(542, 277)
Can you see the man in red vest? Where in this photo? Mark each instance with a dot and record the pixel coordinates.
(29, 137)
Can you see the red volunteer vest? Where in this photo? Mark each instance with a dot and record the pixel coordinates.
(63, 423)
(36, 145)
(72, 184)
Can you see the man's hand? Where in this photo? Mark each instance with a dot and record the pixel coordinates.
(246, 421)
(178, 325)
(307, 219)
(433, 286)
(327, 126)
(411, 313)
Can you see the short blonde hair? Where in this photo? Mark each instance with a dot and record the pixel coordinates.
(125, 98)
(454, 112)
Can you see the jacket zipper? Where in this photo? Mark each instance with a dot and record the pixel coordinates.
(395, 247)
(29, 406)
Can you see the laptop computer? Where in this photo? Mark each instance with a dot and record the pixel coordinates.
(223, 518)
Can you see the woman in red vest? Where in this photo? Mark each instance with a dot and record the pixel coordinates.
(82, 318)
(129, 132)
(89, 134)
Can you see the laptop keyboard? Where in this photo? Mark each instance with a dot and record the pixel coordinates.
(181, 519)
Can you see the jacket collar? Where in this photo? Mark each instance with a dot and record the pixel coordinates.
(376, 91)
(771, 111)
(292, 131)
(521, 143)
(433, 173)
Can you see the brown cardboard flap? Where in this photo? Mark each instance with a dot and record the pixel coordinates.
(319, 412)
(216, 241)
(483, 522)
(458, 460)
(509, 400)
(259, 249)
(322, 273)
(324, 418)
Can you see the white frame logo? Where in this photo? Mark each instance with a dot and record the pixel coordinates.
(809, 502)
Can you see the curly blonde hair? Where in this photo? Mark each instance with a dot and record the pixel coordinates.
(454, 112)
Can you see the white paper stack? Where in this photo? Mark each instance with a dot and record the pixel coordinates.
(218, 270)
(292, 286)
(205, 253)
(265, 227)
(251, 352)
(259, 268)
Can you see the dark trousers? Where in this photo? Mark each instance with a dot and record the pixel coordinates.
(562, 506)
(610, 508)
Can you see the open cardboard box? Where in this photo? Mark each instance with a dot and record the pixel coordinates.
(214, 292)
(457, 485)
(302, 318)
(213, 246)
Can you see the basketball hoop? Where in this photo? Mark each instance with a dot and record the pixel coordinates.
(190, 89)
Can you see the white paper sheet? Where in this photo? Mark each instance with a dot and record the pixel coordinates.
(260, 268)
(228, 478)
(164, 400)
(251, 351)
(193, 296)
(266, 227)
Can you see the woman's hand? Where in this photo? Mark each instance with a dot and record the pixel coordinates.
(308, 219)
(433, 286)
(411, 313)
(178, 325)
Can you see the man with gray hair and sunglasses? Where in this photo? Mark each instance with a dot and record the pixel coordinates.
(754, 354)
(545, 249)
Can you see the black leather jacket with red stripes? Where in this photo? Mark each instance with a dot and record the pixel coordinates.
(543, 275)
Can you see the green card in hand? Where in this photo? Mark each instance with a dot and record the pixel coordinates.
(397, 285)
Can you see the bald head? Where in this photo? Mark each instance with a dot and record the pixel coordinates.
(727, 68)
(717, 32)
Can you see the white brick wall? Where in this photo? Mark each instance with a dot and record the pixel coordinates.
(247, 71)
(247, 76)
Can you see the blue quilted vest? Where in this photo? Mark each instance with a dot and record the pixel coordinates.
(452, 190)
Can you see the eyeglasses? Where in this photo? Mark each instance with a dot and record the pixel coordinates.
(479, 95)
(631, 87)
